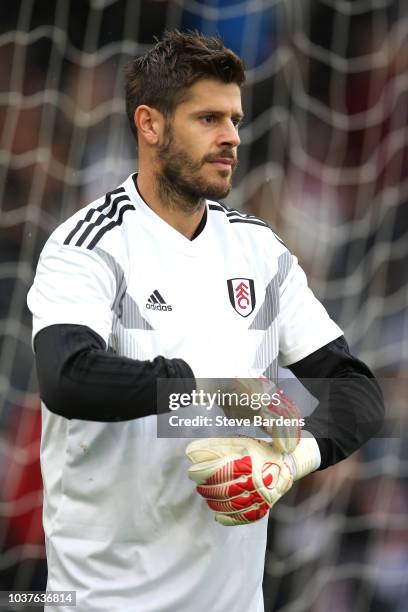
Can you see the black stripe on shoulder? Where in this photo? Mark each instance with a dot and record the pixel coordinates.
(236, 216)
(105, 215)
(111, 225)
(216, 207)
(90, 213)
(234, 212)
(279, 239)
(249, 222)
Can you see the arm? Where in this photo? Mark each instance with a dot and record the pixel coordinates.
(73, 298)
(243, 479)
(80, 379)
(312, 346)
(354, 409)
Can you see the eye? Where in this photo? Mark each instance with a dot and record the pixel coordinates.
(208, 119)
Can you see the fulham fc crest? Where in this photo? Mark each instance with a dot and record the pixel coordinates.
(242, 295)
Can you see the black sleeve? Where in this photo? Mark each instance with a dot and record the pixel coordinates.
(80, 379)
(353, 408)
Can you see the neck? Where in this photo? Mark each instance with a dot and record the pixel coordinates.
(178, 211)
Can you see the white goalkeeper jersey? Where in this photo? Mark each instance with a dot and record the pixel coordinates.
(124, 526)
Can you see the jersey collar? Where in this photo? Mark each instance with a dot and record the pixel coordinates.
(164, 230)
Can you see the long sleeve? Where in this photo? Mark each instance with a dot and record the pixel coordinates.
(351, 407)
(79, 379)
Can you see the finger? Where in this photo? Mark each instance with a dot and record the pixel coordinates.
(241, 486)
(284, 445)
(214, 448)
(232, 519)
(285, 437)
(224, 471)
(199, 453)
(216, 471)
(239, 503)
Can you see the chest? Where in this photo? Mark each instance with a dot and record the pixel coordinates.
(226, 286)
(197, 307)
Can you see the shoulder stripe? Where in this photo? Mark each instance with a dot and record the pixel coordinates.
(249, 221)
(242, 215)
(238, 213)
(235, 216)
(89, 214)
(101, 218)
(112, 224)
(279, 240)
(215, 207)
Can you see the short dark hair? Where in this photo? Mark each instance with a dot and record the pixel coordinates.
(160, 78)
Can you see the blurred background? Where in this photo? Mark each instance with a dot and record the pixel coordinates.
(324, 159)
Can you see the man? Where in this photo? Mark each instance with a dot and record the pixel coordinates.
(140, 285)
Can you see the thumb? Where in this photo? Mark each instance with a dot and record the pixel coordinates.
(199, 450)
(214, 448)
(203, 472)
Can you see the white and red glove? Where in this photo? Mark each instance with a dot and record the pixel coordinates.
(281, 419)
(275, 415)
(242, 478)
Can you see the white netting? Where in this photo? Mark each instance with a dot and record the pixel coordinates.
(324, 157)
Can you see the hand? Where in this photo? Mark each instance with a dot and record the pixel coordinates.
(275, 412)
(275, 415)
(242, 478)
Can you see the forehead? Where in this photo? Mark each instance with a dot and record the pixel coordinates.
(214, 94)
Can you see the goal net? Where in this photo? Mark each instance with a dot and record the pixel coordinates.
(323, 159)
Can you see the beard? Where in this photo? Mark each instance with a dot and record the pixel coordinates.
(180, 182)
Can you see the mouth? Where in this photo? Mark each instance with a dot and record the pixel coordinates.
(223, 163)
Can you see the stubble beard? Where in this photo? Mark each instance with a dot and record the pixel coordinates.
(179, 183)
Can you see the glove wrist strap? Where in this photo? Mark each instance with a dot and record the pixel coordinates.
(306, 456)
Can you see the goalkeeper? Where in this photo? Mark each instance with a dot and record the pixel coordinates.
(158, 279)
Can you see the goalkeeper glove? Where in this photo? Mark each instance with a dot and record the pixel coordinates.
(242, 478)
(281, 419)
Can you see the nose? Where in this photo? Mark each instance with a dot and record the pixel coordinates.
(229, 135)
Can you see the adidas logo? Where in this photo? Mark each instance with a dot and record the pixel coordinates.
(156, 302)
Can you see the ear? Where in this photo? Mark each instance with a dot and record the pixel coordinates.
(149, 123)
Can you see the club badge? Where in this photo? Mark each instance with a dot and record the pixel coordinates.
(241, 293)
